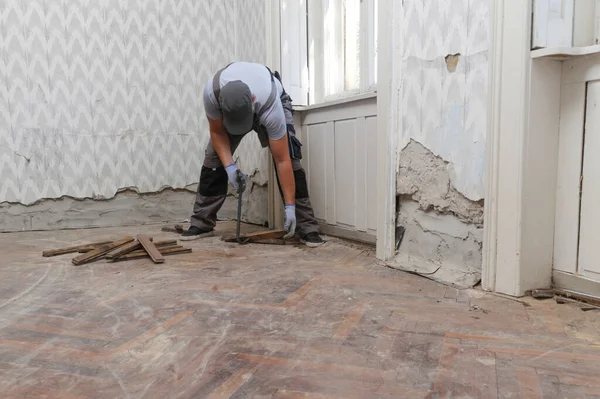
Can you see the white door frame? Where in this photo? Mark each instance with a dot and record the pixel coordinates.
(273, 61)
(521, 157)
(389, 85)
(389, 73)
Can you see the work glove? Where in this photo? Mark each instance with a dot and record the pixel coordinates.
(289, 224)
(233, 179)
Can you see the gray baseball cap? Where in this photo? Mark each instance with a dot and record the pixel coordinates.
(236, 104)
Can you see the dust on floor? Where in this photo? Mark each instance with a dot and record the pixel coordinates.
(259, 321)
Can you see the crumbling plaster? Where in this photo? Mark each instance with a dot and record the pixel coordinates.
(444, 63)
(441, 138)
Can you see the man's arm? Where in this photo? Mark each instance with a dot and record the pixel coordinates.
(220, 141)
(283, 163)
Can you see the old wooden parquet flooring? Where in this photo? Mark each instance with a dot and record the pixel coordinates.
(283, 322)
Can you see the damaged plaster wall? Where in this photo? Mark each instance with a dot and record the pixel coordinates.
(105, 96)
(441, 143)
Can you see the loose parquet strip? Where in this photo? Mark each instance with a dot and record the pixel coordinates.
(261, 235)
(100, 252)
(163, 251)
(135, 246)
(70, 250)
(150, 248)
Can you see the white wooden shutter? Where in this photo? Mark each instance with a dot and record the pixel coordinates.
(294, 51)
(553, 23)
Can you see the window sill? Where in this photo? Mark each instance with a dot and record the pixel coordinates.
(565, 53)
(340, 101)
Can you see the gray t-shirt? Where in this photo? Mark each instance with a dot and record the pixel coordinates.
(258, 79)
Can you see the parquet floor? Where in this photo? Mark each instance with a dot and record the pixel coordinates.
(282, 322)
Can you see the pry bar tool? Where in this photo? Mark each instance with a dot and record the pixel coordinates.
(241, 188)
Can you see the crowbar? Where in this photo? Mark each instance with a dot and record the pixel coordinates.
(241, 188)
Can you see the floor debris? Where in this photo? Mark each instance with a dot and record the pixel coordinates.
(70, 250)
(260, 236)
(126, 248)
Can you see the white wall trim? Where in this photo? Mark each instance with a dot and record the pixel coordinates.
(508, 111)
(388, 111)
(273, 60)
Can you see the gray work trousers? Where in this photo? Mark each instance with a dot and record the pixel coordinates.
(212, 189)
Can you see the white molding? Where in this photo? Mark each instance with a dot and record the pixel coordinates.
(488, 277)
(581, 70)
(564, 53)
(597, 21)
(273, 34)
(576, 283)
(348, 110)
(508, 124)
(337, 102)
(273, 60)
(389, 86)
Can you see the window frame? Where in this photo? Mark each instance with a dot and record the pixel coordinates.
(317, 52)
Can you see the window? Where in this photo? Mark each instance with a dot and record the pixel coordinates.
(328, 48)
(342, 48)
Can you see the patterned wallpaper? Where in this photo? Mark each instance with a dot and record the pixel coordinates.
(98, 95)
(445, 110)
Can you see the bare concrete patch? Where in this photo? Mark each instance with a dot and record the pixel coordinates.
(424, 178)
(443, 229)
(452, 62)
(127, 208)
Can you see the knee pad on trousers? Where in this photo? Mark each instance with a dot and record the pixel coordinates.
(213, 182)
(301, 186)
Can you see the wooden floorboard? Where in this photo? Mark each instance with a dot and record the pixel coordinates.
(272, 321)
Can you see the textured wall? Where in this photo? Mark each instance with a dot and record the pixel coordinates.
(445, 99)
(440, 187)
(102, 95)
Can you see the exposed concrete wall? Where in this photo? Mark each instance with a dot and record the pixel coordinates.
(441, 138)
(127, 208)
(443, 229)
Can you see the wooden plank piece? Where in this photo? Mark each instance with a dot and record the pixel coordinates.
(175, 229)
(70, 250)
(260, 235)
(160, 249)
(150, 248)
(100, 252)
(136, 246)
(144, 255)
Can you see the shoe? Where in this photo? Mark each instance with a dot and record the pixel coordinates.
(312, 240)
(194, 233)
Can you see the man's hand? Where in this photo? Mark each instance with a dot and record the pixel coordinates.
(290, 221)
(232, 175)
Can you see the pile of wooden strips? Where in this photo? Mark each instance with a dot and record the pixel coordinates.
(127, 248)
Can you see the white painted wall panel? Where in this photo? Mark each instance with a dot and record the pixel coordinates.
(553, 23)
(445, 110)
(361, 177)
(345, 173)
(102, 95)
(341, 162)
(316, 167)
(568, 176)
(589, 264)
(372, 176)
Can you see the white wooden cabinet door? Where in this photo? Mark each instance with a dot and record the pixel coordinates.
(294, 51)
(589, 230)
(552, 23)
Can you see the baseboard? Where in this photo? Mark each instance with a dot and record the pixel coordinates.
(340, 232)
(576, 283)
